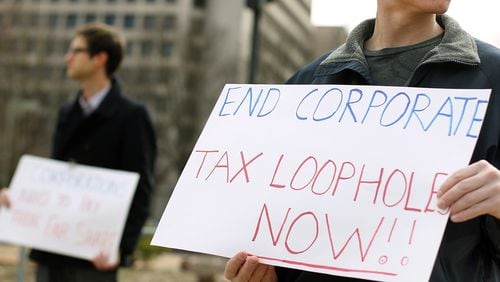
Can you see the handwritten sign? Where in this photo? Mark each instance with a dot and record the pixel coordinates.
(326, 178)
(66, 208)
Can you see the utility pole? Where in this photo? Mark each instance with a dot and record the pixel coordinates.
(257, 7)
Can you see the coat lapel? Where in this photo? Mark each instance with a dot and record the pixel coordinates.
(72, 122)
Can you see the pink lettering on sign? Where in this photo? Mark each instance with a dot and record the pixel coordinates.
(389, 187)
(352, 183)
(25, 219)
(56, 227)
(224, 165)
(33, 197)
(89, 205)
(93, 237)
(282, 232)
(64, 201)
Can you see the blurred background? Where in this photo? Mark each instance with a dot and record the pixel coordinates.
(179, 55)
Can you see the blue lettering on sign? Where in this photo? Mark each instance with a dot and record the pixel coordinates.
(400, 109)
(265, 100)
(456, 114)
(79, 181)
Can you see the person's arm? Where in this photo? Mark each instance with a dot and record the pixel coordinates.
(138, 154)
(475, 191)
(4, 198)
(242, 268)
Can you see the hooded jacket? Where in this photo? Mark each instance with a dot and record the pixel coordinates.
(469, 251)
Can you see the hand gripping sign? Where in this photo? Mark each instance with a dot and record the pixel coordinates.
(326, 178)
(67, 208)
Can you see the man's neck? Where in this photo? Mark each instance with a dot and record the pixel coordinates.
(92, 86)
(402, 30)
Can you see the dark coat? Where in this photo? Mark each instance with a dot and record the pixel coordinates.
(470, 251)
(117, 135)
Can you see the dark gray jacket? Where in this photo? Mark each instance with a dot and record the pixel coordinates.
(470, 251)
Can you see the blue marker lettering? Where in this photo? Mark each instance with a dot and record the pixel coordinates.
(351, 101)
(416, 109)
(401, 94)
(320, 101)
(300, 104)
(373, 105)
(226, 102)
(474, 119)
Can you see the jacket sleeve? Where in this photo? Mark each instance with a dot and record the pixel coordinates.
(138, 154)
(491, 225)
(492, 228)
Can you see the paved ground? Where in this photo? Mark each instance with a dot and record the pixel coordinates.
(169, 267)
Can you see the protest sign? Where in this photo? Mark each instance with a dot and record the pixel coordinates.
(326, 178)
(67, 208)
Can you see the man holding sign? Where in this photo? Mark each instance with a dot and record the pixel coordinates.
(100, 128)
(412, 43)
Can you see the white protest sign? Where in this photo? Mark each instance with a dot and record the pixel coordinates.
(325, 178)
(66, 208)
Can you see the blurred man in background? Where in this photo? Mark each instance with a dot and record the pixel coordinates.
(102, 128)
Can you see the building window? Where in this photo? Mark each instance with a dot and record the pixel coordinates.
(130, 48)
(65, 44)
(90, 18)
(166, 48)
(200, 3)
(171, 1)
(71, 20)
(110, 19)
(34, 20)
(197, 26)
(17, 20)
(149, 22)
(169, 22)
(129, 21)
(53, 20)
(47, 72)
(14, 46)
(50, 46)
(146, 48)
(30, 45)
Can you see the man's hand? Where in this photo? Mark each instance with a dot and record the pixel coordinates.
(102, 262)
(4, 198)
(244, 268)
(471, 192)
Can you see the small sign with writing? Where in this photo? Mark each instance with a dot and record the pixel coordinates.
(328, 178)
(67, 208)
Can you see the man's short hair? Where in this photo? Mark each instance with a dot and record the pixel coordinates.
(104, 38)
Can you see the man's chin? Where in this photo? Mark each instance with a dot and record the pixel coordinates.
(71, 75)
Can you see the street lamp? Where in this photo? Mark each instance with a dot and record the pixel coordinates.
(256, 6)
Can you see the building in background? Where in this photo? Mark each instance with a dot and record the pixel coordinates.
(180, 53)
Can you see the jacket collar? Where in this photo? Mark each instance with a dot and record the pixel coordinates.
(108, 106)
(456, 46)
